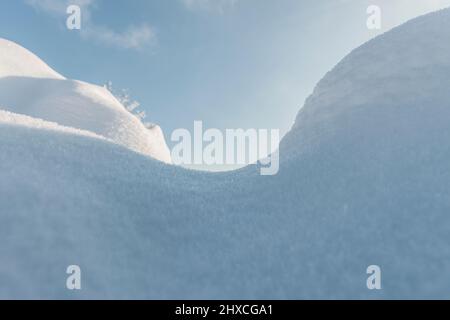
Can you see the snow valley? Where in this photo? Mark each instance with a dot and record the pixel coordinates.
(239, 146)
(363, 180)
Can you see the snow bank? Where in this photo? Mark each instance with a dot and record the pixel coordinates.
(71, 103)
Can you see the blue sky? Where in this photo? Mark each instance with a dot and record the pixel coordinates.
(230, 63)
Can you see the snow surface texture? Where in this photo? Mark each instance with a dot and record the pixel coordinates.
(28, 86)
(9, 118)
(364, 180)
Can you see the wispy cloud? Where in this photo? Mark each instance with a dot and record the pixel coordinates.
(209, 5)
(134, 37)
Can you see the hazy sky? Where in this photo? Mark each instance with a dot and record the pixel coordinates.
(230, 63)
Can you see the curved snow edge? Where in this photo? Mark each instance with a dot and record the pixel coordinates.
(10, 118)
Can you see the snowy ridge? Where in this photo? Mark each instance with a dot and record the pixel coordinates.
(71, 103)
(13, 119)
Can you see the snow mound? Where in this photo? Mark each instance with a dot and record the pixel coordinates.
(396, 78)
(71, 103)
(16, 61)
(366, 165)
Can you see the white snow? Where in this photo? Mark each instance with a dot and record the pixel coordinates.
(13, 119)
(28, 86)
(364, 180)
(16, 61)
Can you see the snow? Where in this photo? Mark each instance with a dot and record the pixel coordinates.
(13, 119)
(364, 180)
(71, 103)
(19, 62)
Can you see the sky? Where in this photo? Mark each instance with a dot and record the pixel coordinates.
(230, 63)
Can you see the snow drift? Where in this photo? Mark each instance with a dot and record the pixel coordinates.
(28, 86)
(13, 119)
(364, 180)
